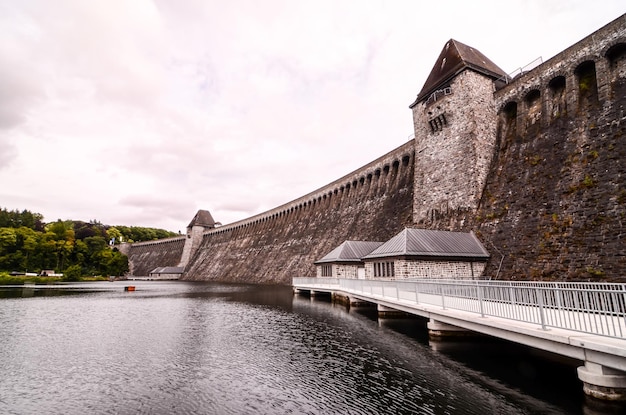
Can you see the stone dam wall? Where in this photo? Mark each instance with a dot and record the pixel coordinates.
(372, 203)
(143, 257)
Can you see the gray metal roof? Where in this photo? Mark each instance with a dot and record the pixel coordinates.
(429, 243)
(350, 251)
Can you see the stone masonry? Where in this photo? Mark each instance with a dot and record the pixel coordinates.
(438, 269)
(452, 160)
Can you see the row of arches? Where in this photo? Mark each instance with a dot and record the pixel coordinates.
(590, 81)
(387, 170)
(143, 254)
(177, 240)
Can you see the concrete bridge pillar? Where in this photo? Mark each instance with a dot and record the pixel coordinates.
(320, 294)
(388, 312)
(439, 330)
(358, 303)
(602, 382)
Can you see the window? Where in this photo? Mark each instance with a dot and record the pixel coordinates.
(327, 270)
(437, 123)
(384, 269)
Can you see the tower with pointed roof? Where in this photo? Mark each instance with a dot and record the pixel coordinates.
(201, 222)
(454, 118)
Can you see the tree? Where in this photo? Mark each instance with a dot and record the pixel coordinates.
(8, 247)
(114, 234)
(16, 219)
(8, 239)
(117, 263)
(27, 243)
(72, 273)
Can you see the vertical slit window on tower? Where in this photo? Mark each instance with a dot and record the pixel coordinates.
(437, 123)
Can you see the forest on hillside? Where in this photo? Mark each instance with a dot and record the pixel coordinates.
(28, 244)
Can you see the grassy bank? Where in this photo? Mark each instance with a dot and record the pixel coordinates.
(6, 279)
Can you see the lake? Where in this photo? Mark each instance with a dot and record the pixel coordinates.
(206, 348)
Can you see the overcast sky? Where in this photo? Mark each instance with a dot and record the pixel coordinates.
(139, 112)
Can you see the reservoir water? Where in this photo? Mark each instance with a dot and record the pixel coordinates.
(206, 348)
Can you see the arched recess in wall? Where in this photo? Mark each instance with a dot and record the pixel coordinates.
(616, 56)
(335, 197)
(395, 167)
(380, 184)
(532, 102)
(507, 123)
(557, 98)
(386, 179)
(587, 85)
(406, 159)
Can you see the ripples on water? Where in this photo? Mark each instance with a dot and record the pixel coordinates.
(224, 349)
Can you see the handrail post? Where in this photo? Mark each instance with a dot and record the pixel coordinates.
(417, 293)
(623, 310)
(443, 298)
(479, 294)
(541, 311)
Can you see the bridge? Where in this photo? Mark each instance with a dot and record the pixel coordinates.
(583, 321)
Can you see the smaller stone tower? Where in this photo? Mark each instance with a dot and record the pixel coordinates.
(201, 222)
(455, 133)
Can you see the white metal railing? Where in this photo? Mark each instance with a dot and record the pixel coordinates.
(520, 71)
(433, 97)
(596, 308)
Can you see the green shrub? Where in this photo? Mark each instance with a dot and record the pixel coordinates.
(73, 273)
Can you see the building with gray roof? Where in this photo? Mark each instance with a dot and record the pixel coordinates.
(423, 253)
(345, 261)
(166, 273)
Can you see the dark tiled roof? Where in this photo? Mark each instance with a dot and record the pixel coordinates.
(454, 58)
(350, 251)
(202, 218)
(428, 243)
